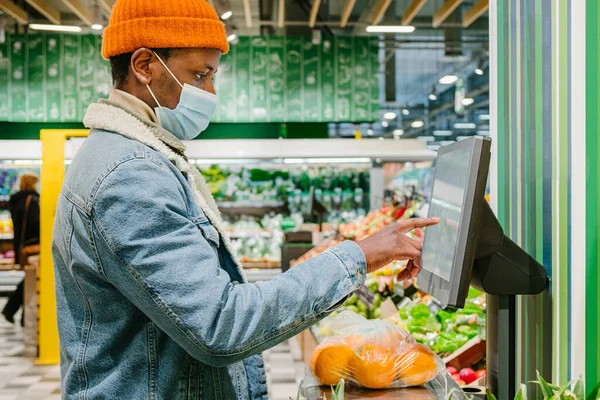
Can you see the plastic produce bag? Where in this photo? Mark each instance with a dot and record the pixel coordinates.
(374, 354)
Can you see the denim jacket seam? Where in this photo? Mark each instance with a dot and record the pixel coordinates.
(217, 387)
(135, 155)
(95, 249)
(351, 276)
(86, 330)
(70, 240)
(109, 170)
(151, 340)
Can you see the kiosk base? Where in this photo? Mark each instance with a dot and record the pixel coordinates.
(501, 348)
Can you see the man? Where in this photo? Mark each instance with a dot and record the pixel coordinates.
(152, 303)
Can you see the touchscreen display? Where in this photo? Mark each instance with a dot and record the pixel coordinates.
(451, 174)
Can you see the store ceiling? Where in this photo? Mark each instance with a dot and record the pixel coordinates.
(253, 17)
(411, 63)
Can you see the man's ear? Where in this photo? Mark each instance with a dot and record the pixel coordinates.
(141, 65)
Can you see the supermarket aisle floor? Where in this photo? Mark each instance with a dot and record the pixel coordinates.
(21, 380)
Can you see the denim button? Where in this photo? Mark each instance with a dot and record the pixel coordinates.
(235, 282)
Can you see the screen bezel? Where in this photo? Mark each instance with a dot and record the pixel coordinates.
(453, 292)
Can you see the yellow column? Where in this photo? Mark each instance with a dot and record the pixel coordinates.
(52, 175)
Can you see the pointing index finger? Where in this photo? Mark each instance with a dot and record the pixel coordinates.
(410, 224)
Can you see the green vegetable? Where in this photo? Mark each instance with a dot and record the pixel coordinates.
(377, 313)
(424, 325)
(377, 299)
(352, 300)
(470, 308)
(361, 305)
(420, 311)
(403, 314)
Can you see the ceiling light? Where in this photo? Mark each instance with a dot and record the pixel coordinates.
(390, 115)
(390, 29)
(467, 101)
(459, 138)
(442, 133)
(232, 37)
(385, 124)
(483, 133)
(226, 15)
(417, 124)
(464, 125)
(96, 27)
(398, 132)
(405, 112)
(55, 28)
(484, 117)
(426, 138)
(448, 79)
(370, 132)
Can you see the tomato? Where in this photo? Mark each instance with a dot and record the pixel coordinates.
(468, 375)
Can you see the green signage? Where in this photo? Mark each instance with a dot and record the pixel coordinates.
(54, 77)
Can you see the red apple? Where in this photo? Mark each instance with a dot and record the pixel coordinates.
(460, 383)
(456, 376)
(480, 374)
(451, 370)
(468, 375)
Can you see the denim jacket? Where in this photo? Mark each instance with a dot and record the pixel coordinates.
(151, 303)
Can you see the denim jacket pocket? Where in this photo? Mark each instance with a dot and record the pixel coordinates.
(209, 231)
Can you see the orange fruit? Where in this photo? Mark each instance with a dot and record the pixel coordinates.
(331, 361)
(353, 341)
(374, 366)
(416, 365)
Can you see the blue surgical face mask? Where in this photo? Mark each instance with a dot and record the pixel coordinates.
(193, 113)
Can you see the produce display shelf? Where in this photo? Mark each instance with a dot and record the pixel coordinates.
(251, 207)
(262, 264)
(240, 235)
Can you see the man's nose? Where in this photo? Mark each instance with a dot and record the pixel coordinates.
(211, 87)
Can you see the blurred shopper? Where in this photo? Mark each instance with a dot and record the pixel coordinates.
(25, 213)
(152, 301)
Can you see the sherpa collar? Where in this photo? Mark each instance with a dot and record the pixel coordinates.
(111, 118)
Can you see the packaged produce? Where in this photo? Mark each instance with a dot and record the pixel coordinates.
(374, 354)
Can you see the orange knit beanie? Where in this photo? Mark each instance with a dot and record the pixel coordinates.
(159, 24)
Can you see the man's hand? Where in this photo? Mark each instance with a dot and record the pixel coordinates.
(391, 243)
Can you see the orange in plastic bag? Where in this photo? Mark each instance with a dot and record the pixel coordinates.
(372, 353)
(418, 363)
(374, 366)
(331, 361)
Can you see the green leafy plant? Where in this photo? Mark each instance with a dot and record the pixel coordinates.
(573, 390)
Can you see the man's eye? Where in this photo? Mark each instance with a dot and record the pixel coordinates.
(200, 76)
